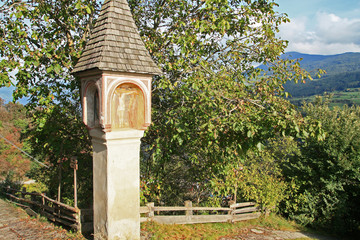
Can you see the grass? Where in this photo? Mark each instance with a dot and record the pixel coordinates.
(216, 230)
(75, 236)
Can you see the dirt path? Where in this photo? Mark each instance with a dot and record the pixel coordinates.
(16, 224)
(267, 234)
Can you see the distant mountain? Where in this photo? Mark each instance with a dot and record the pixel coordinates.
(333, 64)
(342, 73)
(306, 57)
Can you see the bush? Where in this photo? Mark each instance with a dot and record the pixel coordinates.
(258, 179)
(326, 174)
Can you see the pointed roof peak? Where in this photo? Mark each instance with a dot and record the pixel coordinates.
(115, 43)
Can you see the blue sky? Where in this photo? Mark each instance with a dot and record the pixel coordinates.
(321, 26)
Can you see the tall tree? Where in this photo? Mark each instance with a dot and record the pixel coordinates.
(40, 41)
(212, 105)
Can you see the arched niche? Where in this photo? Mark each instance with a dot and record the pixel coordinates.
(92, 107)
(127, 107)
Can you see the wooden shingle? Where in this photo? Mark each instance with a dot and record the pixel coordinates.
(115, 43)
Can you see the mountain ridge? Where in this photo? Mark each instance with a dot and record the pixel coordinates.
(342, 73)
(332, 64)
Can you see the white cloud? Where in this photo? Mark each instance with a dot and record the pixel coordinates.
(295, 30)
(319, 47)
(327, 34)
(334, 29)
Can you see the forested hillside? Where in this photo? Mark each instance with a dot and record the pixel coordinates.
(342, 76)
(333, 64)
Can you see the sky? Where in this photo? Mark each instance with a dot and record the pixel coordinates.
(321, 26)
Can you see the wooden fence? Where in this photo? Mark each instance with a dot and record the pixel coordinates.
(165, 215)
(53, 210)
(236, 212)
(74, 218)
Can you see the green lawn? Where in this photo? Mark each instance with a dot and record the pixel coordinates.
(212, 231)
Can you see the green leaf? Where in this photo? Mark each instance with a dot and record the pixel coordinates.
(88, 10)
(49, 69)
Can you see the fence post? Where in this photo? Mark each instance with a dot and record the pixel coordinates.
(33, 200)
(231, 212)
(151, 210)
(8, 191)
(23, 192)
(78, 221)
(42, 208)
(189, 212)
(267, 212)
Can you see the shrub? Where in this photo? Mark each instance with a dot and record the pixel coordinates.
(258, 179)
(326, 174)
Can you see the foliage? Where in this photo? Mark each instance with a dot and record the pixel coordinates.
(258, 178)
(56, 141)
(210, 107)
(262, 181)
(40, 41)
(38, 187)
(211, 103)
(149, 190)
(13, 164)
(326, 175)
(39, 45)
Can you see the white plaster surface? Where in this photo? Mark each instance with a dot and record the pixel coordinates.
(116, 184)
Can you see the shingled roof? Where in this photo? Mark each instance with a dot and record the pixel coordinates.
(115, 43)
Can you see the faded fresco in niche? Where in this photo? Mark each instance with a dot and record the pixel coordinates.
(128, 107)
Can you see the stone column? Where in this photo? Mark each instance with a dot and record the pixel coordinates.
(116, 165)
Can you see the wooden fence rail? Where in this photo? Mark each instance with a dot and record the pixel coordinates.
(72, 217)
(53, 210)
(150, 212)
(236, 212)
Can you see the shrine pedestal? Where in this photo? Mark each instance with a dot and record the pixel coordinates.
(116, 167)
